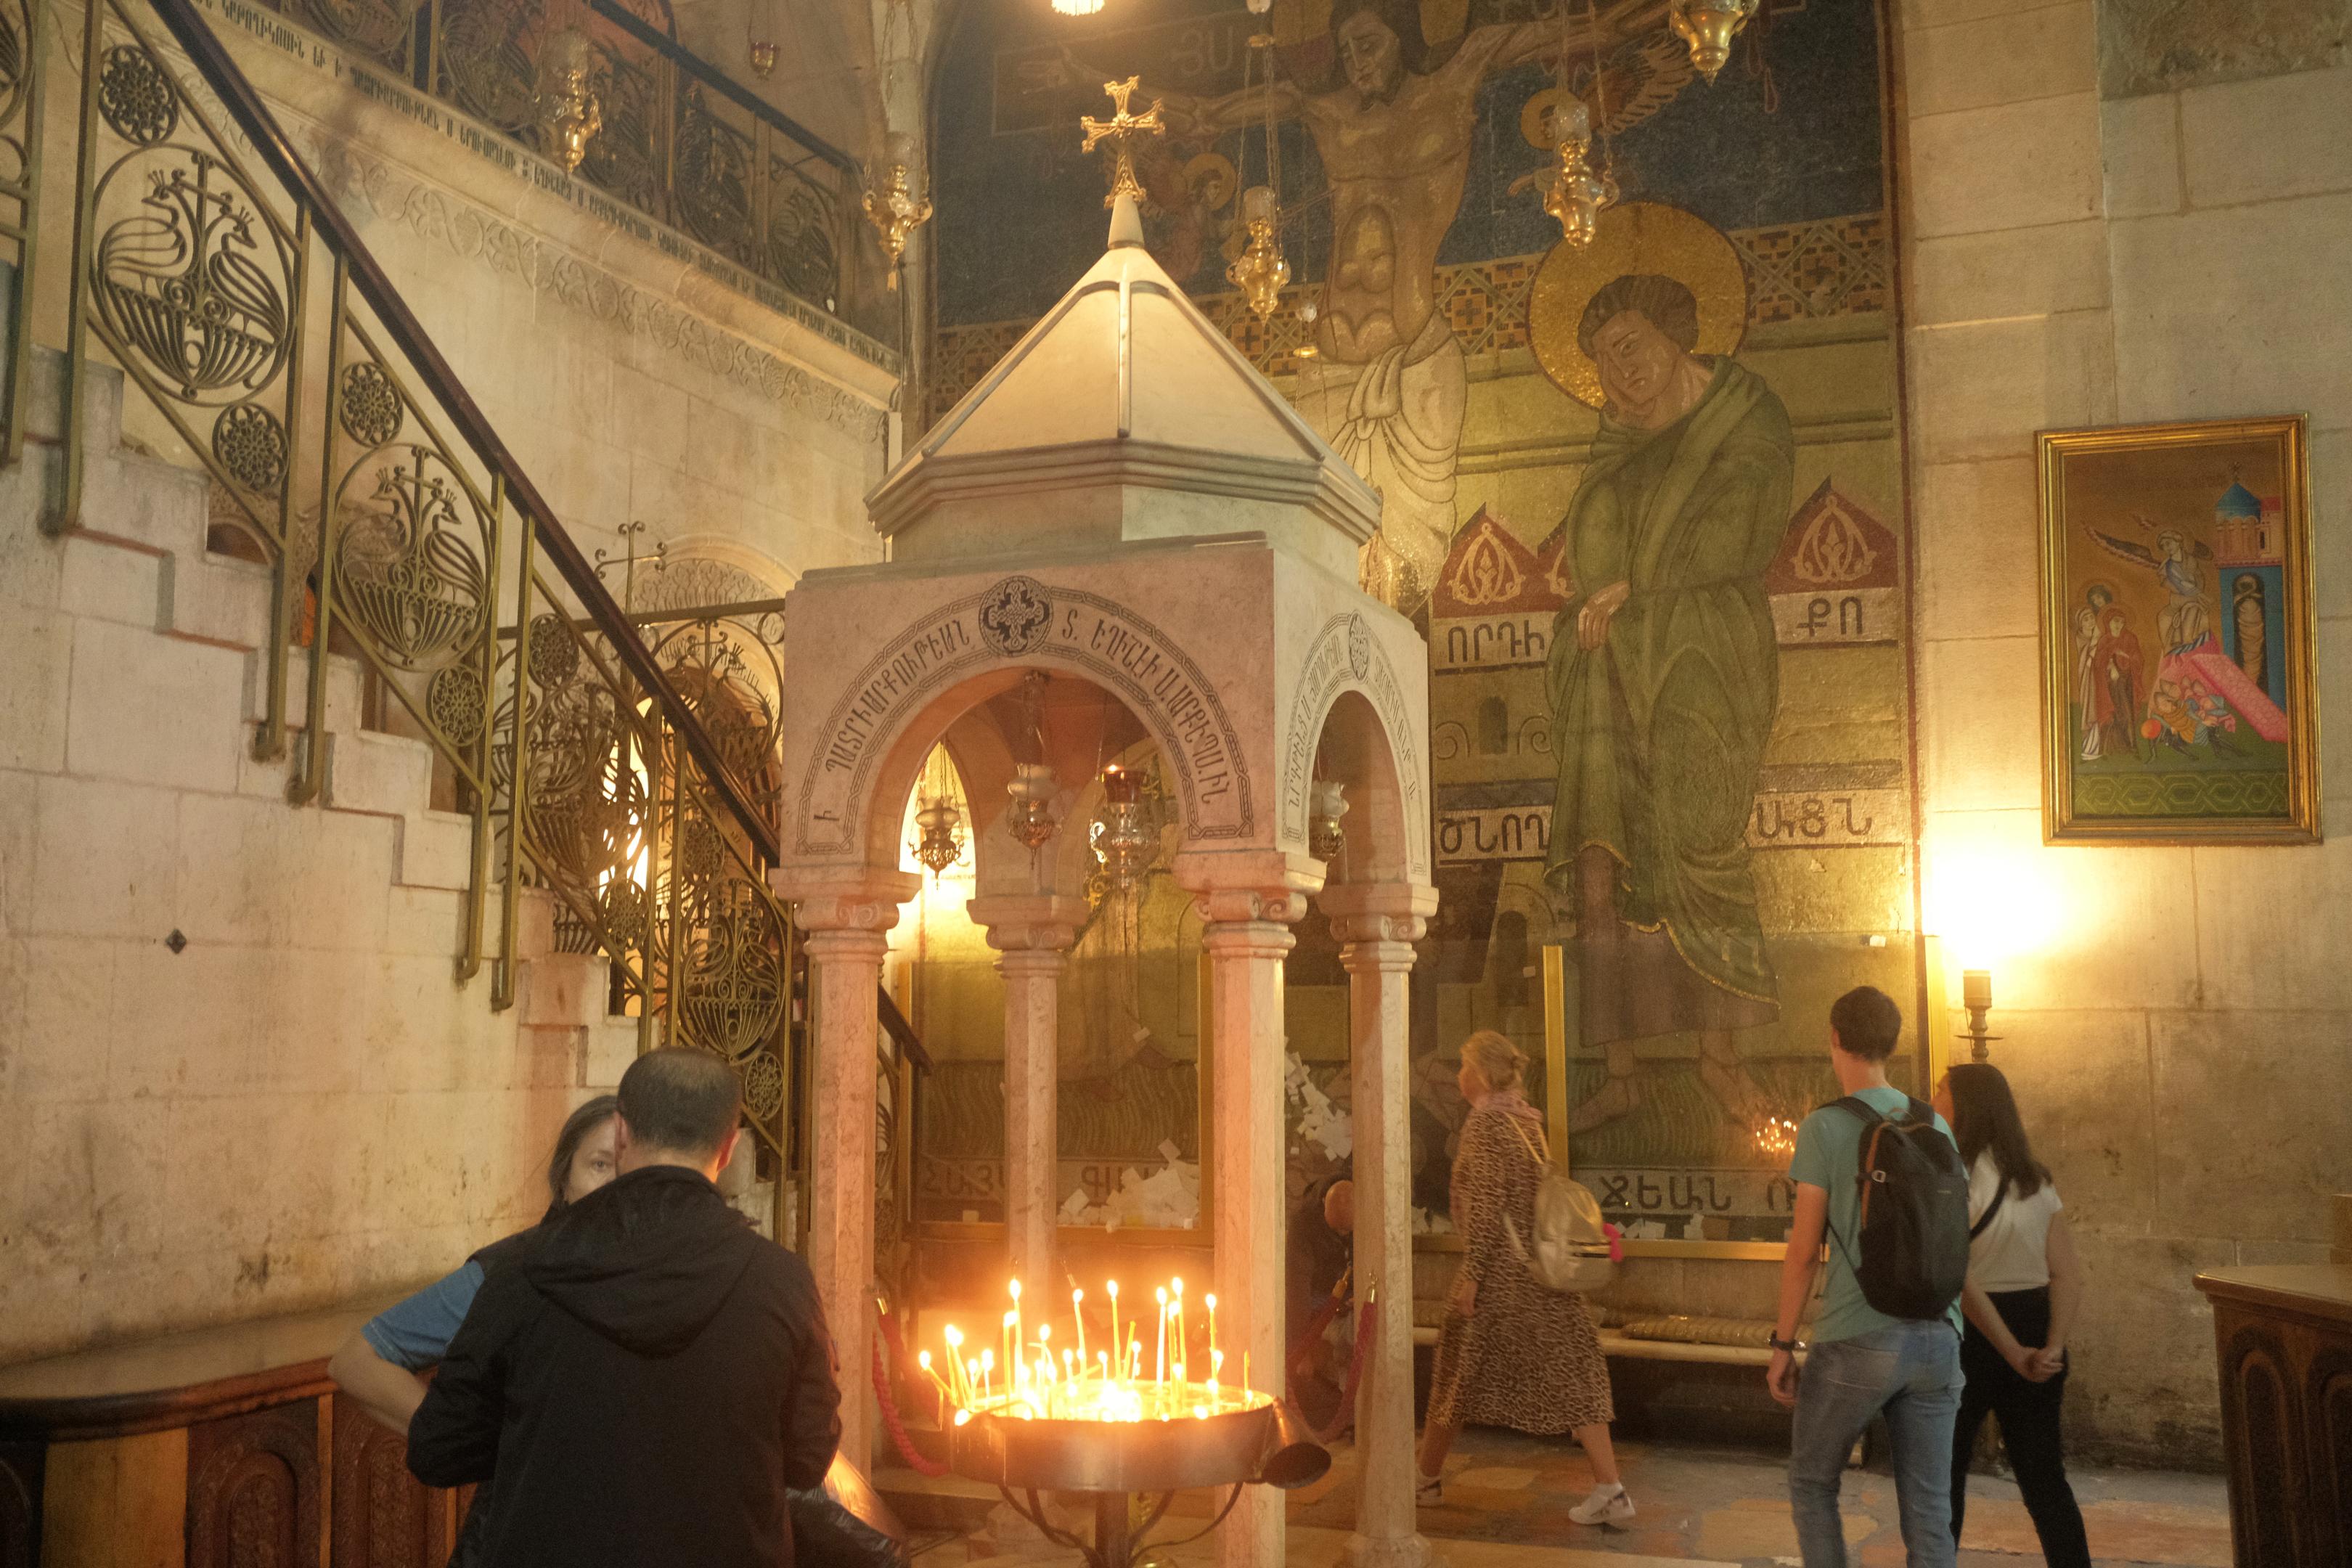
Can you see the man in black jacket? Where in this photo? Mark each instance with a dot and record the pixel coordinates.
(644, 1378)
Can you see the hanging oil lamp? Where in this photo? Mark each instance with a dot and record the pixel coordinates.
(763, 56)
(1708, 26)
(1030, 817)
(566, 97)
(1123, 842)
(1327, 804)
(1261, 271)
(939, 822)
(896, 211)
(1577, 191)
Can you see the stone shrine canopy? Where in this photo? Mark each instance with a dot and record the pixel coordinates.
(1121, 395)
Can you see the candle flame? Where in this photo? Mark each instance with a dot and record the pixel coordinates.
(1111, 1387)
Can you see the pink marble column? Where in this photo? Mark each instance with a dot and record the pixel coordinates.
(1246, 936)
(1376, 925)
(844, 939)
(1033, 936)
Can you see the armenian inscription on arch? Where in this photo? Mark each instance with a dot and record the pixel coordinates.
(1020, 620)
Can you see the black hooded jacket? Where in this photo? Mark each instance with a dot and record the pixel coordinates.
(640, 1381)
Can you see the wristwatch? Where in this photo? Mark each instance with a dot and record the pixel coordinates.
(1778, 1344)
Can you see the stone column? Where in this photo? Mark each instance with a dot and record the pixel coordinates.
(845, 936)
(1033, 936)
(1376, 925)
(1247, 935)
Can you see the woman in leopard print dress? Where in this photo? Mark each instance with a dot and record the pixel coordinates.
(1512, 1353)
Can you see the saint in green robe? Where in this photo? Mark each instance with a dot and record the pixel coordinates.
(1660, 731)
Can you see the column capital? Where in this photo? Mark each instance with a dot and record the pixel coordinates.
(1029, 922)
(1232, 885)
(851, 900)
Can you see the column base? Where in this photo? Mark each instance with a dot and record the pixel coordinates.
(1390, 1551)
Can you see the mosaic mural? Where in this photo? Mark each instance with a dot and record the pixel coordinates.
(1645, 499)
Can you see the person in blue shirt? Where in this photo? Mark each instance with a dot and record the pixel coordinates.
(1863, 1363)
(377, 1366)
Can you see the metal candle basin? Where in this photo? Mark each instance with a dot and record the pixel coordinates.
(1261, 1443)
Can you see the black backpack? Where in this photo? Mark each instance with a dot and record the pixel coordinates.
(1911, 1212)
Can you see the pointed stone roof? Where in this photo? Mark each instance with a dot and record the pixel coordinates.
(1121, 395)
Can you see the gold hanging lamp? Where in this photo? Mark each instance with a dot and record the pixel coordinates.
(1577, 191)
(565, 98)
(895, 210)
(1261, 271)
(1708, 26)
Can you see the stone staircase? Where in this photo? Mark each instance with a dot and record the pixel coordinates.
(208, 992)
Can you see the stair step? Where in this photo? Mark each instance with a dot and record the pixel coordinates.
(345, 690)
(109, 578)
(436, 849)
(390, 775)
(218, 599)
(101, 403)
(564, 991)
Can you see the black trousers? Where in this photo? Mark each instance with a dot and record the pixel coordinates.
(2028, 1429)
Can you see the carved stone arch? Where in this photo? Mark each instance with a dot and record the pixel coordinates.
(1345, 657)
(975, 646)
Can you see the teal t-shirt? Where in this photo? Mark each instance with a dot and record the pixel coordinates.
(1828, 1155)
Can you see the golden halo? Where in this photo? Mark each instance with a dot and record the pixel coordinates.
(1535, 118)
(1639, 237)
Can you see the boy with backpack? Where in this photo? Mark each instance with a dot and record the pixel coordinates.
(1876, 1175)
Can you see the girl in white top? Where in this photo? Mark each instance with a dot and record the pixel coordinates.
(2025, 1285)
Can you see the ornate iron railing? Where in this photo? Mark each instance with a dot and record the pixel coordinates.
(21, 43)
(681, 141)
(627, 773)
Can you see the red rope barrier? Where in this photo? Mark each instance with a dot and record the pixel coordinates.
(890, 1417)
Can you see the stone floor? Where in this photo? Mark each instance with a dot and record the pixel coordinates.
(1506, 1501)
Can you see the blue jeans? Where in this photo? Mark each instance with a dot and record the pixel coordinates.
(1912, 1373)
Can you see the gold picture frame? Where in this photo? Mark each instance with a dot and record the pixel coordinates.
(2179, 680)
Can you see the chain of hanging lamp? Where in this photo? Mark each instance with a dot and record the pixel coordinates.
(1579, 191)
(1261, 271)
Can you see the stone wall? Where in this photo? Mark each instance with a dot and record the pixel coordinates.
(2178, 1028)
(296, 1103)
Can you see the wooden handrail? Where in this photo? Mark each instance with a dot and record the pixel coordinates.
(211, 59)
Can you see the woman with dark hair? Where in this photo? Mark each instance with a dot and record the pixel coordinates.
(2025, 1285)
(377, 1366)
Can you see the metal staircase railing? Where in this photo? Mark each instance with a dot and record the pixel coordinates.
(629, 775)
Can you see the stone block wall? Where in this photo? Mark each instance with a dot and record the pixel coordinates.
(2112, 217)
(294, 1103)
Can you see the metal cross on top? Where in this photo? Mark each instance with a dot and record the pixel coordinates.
(1122, 128)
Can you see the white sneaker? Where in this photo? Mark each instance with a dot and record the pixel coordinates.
(1607, 1505)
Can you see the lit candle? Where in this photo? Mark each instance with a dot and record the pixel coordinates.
(1114, 1341)
(1079, 1313)
(987, 1375)
(1212, 1328)
(1160, 1356)
(1012, 1349)
(924, 1361)
(1020, 1345)
(955, 1363)
(1176, 1290)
